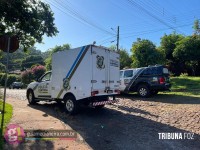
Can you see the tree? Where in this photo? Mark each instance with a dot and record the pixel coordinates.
(125, 59)
(38, 71)
(2, 67)
(144, 53)
(28, 19)
(196, 27)
(188, 50)
(168, 45)
(32, 60)
(113, 47)
(48, 60)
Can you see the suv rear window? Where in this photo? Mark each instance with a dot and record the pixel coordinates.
(165, 71)
(155, 71)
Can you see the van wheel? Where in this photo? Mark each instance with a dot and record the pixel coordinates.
(143, 90)
(71, 105)
(31, 97)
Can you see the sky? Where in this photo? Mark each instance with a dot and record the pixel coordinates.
(81, 22)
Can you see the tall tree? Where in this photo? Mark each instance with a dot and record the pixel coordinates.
(168, 45)
(144, 53)
(188, 50)
(29, 61)
(28, 19)
(196, 27)
(125, 59)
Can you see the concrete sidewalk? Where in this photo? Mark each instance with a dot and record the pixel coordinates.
(39, 117)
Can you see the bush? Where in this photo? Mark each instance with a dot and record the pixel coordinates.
(184, 75)
(1, 75)
(27, 76)
(38, 71)
(10, 79)
(2, 67)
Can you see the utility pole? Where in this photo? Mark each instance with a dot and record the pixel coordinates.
(118, 38)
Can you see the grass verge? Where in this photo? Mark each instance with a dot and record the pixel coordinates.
(185, 86)
(7, 117)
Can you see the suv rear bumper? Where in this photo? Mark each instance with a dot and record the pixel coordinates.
(161, 87)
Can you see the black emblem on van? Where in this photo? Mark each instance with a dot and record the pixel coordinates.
(100, 62)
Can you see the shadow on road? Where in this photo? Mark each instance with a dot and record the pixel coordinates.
(112, 129)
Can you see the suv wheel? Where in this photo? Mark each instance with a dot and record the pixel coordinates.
(31, 97)
(71, 105)
(143, 91)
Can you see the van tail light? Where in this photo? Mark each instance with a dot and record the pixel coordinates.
(161, 80)
(117, 91)
(93, 93)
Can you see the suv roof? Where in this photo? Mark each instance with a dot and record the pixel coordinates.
(153, 70)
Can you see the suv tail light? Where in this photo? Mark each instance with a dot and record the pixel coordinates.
(93, 93)
(117, 91)
(161, 80)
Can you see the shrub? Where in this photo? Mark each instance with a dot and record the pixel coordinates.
(184, 75)
(27, 76)
(38, 71)
(10, 79)
(2, 67)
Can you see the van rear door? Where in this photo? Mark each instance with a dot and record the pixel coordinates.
(99, 67)
(105, 71)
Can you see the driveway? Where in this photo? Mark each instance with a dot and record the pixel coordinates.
(133, 123)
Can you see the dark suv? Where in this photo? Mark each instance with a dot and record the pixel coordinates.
(146, 81)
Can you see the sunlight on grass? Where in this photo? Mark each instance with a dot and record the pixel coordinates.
(188, 83)
(191, 94)
(7, 116)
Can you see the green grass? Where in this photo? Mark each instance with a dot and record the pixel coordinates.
(185, 83)
(186, 86)
(7, 116)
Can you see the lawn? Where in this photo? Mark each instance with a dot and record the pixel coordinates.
(7, 116)
(185, 86)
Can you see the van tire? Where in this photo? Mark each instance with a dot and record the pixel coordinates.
(71, 105)
(143, 90)
(31, 97)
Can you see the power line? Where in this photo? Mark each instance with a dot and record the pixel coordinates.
(153, 31)
(76, 15)
(149, 13)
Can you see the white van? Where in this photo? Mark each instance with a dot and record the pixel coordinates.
(88, 75)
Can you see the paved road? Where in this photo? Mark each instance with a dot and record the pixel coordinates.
(133, 123)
